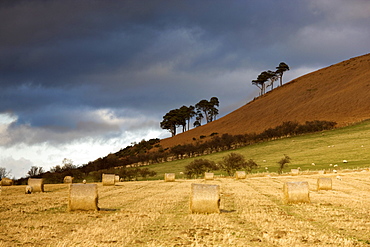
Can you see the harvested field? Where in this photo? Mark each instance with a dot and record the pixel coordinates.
(156, 213)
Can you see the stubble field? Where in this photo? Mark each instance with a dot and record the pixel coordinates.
(156, 213)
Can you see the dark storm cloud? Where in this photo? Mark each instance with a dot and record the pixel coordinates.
(57, 42)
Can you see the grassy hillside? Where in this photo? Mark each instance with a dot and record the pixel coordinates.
(338, 93)
(351, 143)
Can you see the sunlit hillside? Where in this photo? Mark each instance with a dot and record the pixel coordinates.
(339, 93)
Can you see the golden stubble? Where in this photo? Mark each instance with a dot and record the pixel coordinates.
(156, 213)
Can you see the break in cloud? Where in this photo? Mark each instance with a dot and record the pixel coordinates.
(94, 76)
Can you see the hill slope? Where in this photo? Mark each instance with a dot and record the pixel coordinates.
(339, 93)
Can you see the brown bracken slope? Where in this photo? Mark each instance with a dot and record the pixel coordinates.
(339, 93)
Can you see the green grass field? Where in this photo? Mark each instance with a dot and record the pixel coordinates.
(351, 143)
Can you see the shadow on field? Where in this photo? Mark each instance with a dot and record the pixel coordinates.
(108, 209)
(227, 211)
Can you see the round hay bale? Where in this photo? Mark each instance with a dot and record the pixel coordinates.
(324, 184)
(84, 181)
(68, 179)
(296, 192)
(208, 176)
(205, 198)
(83, 197)
(37, 184)
(116, 178)
(29, 189)
(240, 175)
(169, 177)
(108, 179)
(321, 172)
(6, 182)
(294, 171)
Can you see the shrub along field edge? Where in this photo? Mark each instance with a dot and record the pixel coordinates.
(327, 150)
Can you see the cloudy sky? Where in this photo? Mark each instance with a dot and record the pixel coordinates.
(80, 79)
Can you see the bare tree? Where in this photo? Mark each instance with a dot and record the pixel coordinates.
(4, 173)
(35, 171)
(68, 165)
(56, 168)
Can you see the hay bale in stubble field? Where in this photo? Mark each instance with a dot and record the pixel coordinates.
(296, 192)
(37, 184)
(68, 179)
(6, 182)
(83, 197)
(294, 171)
(205, 198)
(321, 172)
(108, 179)
(324, 184)
(208, 176)
(240, 175)
(169, 177)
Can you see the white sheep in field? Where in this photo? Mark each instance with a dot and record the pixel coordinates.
(345, 161)
(313, 164)
(335, 165)
(339, 177)
(29, 189)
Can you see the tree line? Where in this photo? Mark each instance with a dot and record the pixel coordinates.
(267, 78)
(128, 161)
(93, 171)
(181, 117)
(151, 152)
(217, 143)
